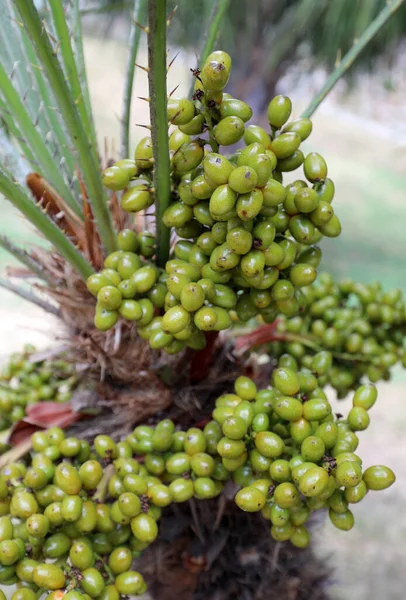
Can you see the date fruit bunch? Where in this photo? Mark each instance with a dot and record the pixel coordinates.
(74, 517)
(351, 331)
(64, 529)
(25, 381)
(245, 242)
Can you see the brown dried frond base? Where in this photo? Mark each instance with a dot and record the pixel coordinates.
(211, 550)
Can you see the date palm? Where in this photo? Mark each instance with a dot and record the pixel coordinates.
(46, 117)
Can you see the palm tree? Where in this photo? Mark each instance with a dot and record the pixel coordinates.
(205, 551)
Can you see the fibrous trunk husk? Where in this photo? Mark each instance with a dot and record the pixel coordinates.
(211, 550)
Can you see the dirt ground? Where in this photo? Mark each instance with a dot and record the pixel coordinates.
(366, 160)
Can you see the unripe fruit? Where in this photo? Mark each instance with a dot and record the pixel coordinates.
(291, 163)
(248, 205)
(229, 131)
(365, 396)
(302, 275)
(262, 165)
(217, 169)
(115, 178)
(250, 499)
(286, 144)
(279, 110)
(222, 201)
(306, 200)
(109, 297)
(180, 111)
(143, 154)
(256, 134)
(178, 137)
(343, 521)
(332, 228)
(245, 388)
(378, 477)
(300, 537)
(315, 167)
(193, 127)
(192, 297)
(216, 71)
(175, 319)
(269, 444)
(240, 240)
(358, 418)
(49, 577)
(322, 214)
(205, 319)
(288, 409)
(303, 127)
(313, 482)
(243, 179)
(188, 157)
(136, 199)
(273, 193)
(231, 107)
(348, 474)
(286, 495)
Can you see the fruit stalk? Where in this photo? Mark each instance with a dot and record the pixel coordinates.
(159, 121)
(212, 140)
(348, 60)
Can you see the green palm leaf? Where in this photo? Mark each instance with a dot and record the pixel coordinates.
(86, 151)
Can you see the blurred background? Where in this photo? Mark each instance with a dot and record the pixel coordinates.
(290, 47)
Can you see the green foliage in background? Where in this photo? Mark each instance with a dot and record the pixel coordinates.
(277, 32)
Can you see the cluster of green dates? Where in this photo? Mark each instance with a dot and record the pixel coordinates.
(24, 382)
(74, 517)
(350, 331)
(70, 525)
(246, 243)
(291, 456)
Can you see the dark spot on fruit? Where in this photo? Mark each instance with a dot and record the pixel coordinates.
(198, 95)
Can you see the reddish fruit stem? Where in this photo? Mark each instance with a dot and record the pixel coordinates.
(261, 335)
(203, 359)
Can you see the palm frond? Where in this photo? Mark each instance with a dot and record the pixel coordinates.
(17, 57)
(31, 137)
(26, 259)
(29, 295)
(86, 151)
(16, 194)
(64, 36)
(370, 32)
